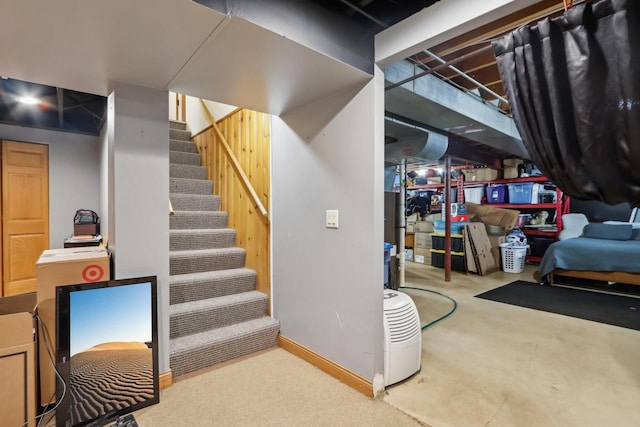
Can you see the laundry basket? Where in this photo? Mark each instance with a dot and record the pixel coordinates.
(513, 257)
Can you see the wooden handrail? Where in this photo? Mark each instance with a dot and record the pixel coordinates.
(236, 165)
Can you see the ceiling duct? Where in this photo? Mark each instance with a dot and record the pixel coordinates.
(426, 146)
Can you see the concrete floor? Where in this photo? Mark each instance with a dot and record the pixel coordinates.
(493, 364)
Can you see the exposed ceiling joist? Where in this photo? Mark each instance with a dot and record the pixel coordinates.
(60, 96)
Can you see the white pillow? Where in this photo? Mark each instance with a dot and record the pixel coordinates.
(572, 225)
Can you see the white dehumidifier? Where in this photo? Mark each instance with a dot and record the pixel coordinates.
(402, 337)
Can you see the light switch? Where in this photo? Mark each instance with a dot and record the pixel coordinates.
(332, 219)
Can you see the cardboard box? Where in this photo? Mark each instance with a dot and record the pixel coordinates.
(481, 174)
(511, 168)
(492, 216)
(57, 267)
(423, 227)
(434, 180)
(17, 360)
(510, 172)
(495, 248)
(512, 163)
(409, 240)
(422, 256)
(422, 240)
(411, 220)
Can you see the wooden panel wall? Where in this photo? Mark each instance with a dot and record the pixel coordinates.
(248, 134)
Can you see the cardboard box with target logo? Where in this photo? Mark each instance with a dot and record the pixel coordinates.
(57, 267)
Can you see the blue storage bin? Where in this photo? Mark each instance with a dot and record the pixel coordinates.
(521, 192)
(456, 226)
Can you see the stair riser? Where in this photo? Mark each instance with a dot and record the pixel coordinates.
(192, 222)
(195, 291)
(190, 186)
(207, 262)
(182, 146)
(195, 322)
(222, 351)
(177, 125)
(187, 171)
(181, 135)
(195, 203)
(182, 158)
(183, 242)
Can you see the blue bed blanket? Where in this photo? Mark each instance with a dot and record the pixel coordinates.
(589, 254)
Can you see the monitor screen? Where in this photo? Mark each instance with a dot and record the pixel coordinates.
(107, 350)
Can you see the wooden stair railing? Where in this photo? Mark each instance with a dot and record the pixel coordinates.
(236, 166)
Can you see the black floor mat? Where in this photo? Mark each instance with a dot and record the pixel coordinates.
(600, 307)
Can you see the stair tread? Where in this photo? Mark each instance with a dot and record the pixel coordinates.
(200, 252)
(219, 335)
(187, 153)
(218, 302)
(183, 165)
(201, 213)
(196, 231)
(193, 196)
(195, 180)
(178, 279)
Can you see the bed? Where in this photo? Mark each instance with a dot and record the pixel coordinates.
(609, 251)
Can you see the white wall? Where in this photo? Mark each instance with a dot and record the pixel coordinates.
(138, 138)
(104, 179)
(197, 119)
(74, 177)
(328, 283)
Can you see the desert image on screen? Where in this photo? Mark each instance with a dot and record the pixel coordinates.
(111, 356)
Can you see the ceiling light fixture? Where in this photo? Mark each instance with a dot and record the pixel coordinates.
(30, 100)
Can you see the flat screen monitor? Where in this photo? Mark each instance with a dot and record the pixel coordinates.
(107, 350)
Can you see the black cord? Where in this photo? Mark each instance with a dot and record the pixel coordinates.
(43, 328)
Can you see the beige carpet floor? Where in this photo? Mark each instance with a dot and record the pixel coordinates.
(272, 388)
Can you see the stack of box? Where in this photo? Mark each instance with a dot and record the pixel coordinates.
(57, 267)
(411, 221)
(422, 242)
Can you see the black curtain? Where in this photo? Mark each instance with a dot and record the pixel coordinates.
(573, 84)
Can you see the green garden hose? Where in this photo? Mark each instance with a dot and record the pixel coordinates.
(455, 305)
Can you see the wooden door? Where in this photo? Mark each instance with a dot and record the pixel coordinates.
(25, 213)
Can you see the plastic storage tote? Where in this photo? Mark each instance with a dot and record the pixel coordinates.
(521, 193)
(497, 193)
(474, 194)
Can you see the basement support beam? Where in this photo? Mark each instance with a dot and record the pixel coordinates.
(439, 23)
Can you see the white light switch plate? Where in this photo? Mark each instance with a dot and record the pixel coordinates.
(332, 219)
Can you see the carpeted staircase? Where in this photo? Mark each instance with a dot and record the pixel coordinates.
(215, 312)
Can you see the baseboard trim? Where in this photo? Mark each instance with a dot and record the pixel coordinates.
(166, 379)
(351, 379)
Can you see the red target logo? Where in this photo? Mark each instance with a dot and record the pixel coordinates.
(92, 273)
